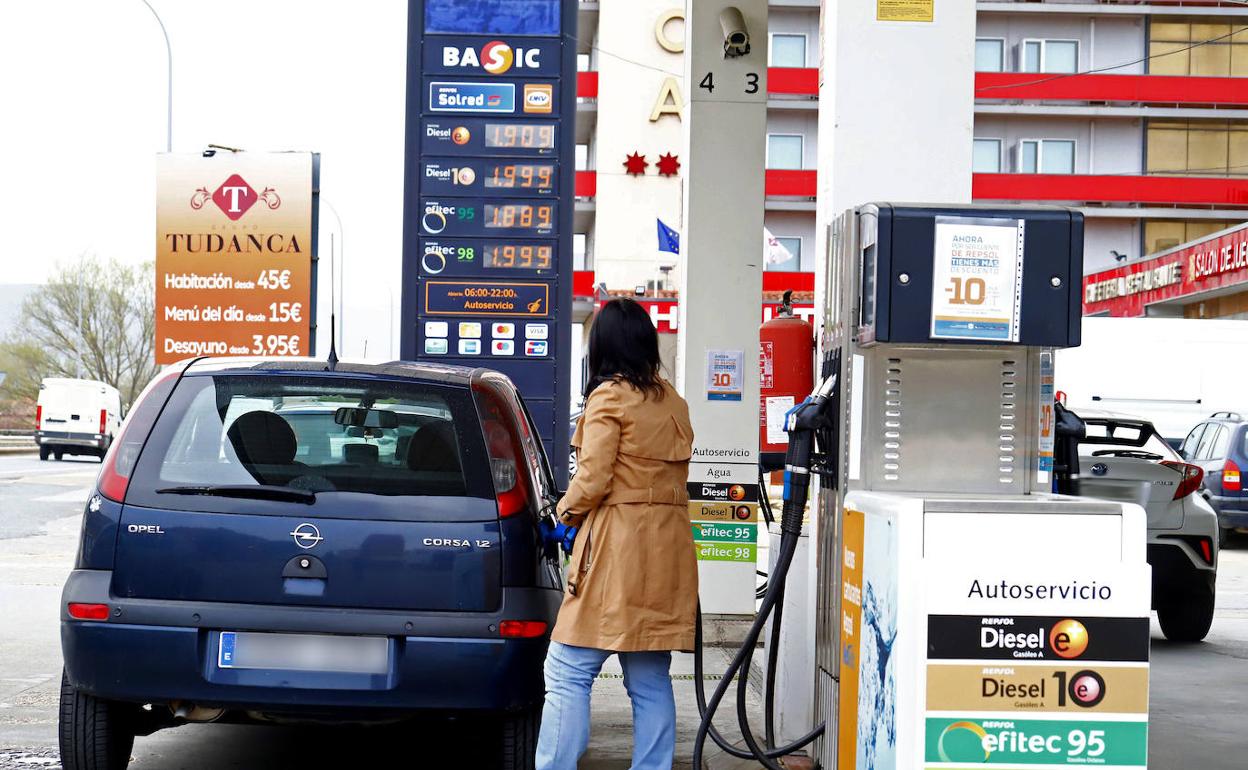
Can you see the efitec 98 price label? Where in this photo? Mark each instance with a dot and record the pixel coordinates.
(464, 256)
(726, 551)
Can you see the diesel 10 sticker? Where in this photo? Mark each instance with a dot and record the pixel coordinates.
(1114, 689)
(702, 510)
(1015, 742)
(1018, 637)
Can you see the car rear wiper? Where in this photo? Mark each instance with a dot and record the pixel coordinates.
(258, 491)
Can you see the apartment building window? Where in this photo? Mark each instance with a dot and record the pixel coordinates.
(989, 54)
(582, 157)
(788, 50)
(582, 62)
(1177, 46)
(579, 247)
(1046, 156)
(1162, 234)
(1198, 147)
(784, 151)
(794, 246)
(1049, 56)
(987, 156)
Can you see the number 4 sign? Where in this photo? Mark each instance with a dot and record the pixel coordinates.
(977, 279)
(723, 374)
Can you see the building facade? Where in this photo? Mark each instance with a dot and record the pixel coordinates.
(1135, 113)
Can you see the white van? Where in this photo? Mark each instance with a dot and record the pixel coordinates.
(76, 417)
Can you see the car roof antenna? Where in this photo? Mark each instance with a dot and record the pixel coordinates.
(332, 359)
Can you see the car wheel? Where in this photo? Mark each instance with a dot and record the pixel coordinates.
(519, 738)
(1187, 619)
(58, 454)
(44, 453)
(95, 734)
(1224, 537)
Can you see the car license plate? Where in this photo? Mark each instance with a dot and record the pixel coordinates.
(304, 652)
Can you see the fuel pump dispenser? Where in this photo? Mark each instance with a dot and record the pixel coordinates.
(965, 614)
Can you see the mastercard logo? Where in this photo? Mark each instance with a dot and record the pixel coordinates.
(461, 135)
(1068, 639)
(736, 492)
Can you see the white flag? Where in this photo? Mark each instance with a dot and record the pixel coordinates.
(774, 251)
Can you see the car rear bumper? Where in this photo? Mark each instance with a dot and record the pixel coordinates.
(161, 651)
(1178, 571)
(67, 439)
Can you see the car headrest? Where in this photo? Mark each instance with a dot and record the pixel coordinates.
(433, 448)
(360, 454)
(262, 438)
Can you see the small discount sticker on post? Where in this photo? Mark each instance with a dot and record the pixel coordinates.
(724, 370)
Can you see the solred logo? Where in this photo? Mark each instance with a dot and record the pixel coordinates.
(234, 197)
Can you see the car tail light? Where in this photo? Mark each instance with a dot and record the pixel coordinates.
(503, 443)
(38, 417)
(123, 453)
(522, 629)
(1230, 477)
(1206, 549)
(1192, 475)
(88, 611)
(103, 420)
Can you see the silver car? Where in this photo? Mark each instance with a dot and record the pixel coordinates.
(1124, 458)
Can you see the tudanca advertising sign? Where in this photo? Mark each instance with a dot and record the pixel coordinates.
(1218, 262)
(234, 255)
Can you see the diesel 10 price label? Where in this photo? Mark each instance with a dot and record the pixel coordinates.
(461, 176)
(454, 256)
(486, 298)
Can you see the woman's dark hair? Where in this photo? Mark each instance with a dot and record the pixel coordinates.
(624, 345)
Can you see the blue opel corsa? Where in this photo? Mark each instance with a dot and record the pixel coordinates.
(275, 541)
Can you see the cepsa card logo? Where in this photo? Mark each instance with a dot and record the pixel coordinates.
(495, 57)
(235, 197)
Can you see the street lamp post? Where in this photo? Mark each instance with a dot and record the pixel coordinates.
(168, 78)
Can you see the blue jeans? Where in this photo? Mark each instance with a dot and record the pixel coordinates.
(570, 674)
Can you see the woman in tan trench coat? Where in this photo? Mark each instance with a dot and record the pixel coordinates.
(632, 586)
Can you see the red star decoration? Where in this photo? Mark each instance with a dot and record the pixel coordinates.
(668, 165)
(635, 164)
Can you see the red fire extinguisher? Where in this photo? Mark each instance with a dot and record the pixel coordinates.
(787, 375)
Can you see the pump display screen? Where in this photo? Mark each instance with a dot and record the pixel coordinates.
(508, 216)
(525, 136)
(492, 17)
(524, 176)
(520, 256)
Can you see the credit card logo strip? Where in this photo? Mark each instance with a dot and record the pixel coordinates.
(539, 98)
(437, 329)
(465, 97)
(536, 331)
(470, 347)
(470, 329)
(536, 348)
(502, 331)
(503, 348)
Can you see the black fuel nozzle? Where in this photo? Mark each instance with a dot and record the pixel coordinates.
(814, 415)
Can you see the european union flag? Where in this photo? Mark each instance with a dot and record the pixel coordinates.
(669, 239)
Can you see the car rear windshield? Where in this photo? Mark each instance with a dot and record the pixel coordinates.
(1153, 444)
(231, 436)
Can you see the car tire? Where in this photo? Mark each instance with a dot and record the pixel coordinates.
(519, 739)
(1187, 619)
(58, 454)
(1224, 537)
(95, 734)
(44, 453)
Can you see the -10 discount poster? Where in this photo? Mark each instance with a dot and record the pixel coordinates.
(977, 279)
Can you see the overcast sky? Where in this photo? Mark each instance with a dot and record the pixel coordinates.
(82, 116)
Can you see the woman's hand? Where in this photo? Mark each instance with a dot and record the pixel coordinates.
(559, 534)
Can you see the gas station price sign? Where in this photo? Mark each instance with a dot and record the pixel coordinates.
(489, 194)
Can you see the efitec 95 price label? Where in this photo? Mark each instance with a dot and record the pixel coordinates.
(1015, 742)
